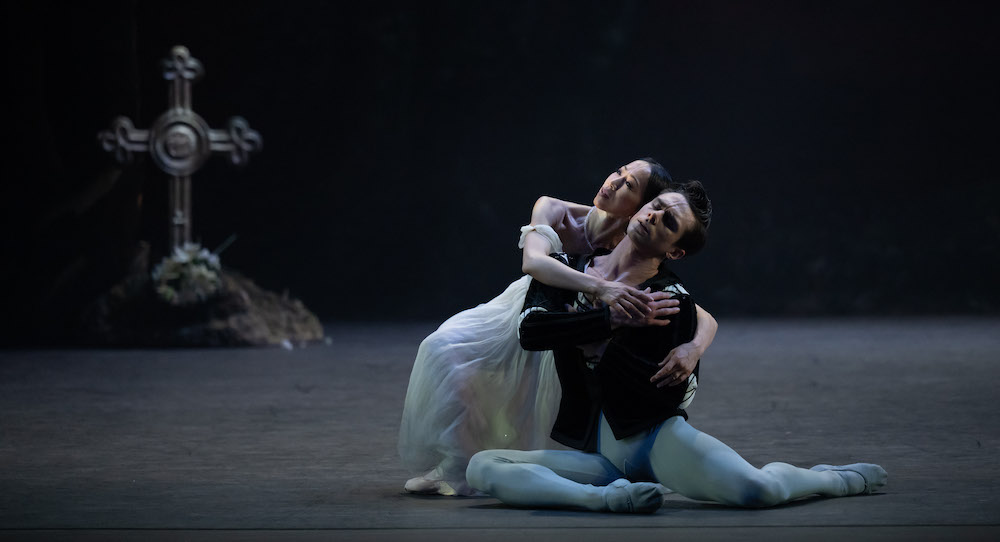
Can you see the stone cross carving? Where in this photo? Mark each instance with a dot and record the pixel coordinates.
(180, 140)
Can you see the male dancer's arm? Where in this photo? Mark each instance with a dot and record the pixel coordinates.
(548, 324)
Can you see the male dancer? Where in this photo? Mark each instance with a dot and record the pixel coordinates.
(611, 406)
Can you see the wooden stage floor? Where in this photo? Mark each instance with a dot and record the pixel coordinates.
(269, 443)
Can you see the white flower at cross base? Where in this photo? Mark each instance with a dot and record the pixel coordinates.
(188, 275)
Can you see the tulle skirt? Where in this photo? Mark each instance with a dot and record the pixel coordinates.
(473, 388)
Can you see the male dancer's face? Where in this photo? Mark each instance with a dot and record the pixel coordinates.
(656, 227)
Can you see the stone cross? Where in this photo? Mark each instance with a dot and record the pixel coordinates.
(180, 140)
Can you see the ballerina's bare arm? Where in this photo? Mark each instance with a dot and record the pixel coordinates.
(681, 361)
(536, 262)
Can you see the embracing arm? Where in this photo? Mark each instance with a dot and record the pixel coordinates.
(548, 322)
(536, 262)
(681, 361)
(705, 334)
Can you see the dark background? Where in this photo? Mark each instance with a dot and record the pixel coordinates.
(849, 148)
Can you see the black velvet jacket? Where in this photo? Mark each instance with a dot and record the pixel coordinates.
(619, 383)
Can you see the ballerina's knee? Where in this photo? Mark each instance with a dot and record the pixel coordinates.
(439, 341)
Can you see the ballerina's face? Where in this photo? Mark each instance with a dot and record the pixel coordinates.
(622, 191)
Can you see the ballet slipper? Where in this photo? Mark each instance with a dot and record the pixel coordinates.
(433, 484)
(633, 497)
(873, 476)
(429, 484)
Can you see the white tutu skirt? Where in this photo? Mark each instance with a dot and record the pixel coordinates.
(473, 388)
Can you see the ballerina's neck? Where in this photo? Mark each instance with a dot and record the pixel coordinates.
(603, 230)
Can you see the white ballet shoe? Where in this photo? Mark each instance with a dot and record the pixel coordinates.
(433, 483)
(426, 486)
(633, 497)
(430, 484)
(873, 476)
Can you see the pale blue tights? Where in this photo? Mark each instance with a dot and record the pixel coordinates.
(689, 462)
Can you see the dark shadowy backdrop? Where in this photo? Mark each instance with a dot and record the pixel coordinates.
(849, 148)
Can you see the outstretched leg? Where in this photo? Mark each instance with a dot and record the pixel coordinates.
(699, 466)
(559, 479)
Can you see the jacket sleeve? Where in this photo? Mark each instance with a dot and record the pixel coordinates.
(545, 324)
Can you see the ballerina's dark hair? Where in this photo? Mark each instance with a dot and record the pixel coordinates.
(659, 180)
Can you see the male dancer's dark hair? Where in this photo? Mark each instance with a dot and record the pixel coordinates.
(693, 240)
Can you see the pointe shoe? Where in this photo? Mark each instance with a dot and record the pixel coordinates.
(633, 497)
(433, 483)
(873, 475)
(423, 485)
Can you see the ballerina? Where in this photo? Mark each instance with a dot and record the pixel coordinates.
(473, 387)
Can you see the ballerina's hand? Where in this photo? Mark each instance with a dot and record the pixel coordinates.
(660, 306)
(677, 366)
(625, 300)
